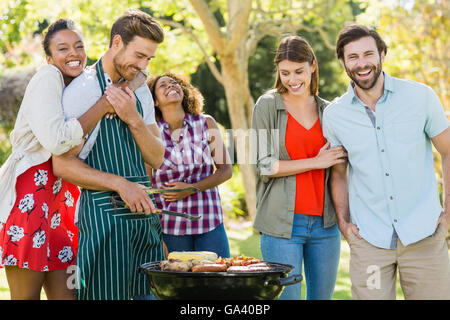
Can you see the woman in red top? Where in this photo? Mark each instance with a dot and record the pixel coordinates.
(306, 157)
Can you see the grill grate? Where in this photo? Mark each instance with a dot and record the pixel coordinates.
(274, 268)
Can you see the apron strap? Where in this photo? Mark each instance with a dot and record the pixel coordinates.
(100, 75)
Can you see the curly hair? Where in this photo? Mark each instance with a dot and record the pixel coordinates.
(192, 98)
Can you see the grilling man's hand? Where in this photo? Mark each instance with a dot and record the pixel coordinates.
(134, 195)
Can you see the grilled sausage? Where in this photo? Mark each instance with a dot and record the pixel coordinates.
(258, 267)
(238, 269)
(209, 268)
(249, 268)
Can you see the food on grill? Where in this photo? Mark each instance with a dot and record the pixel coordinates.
(192, 255)
(249, 268)
(238, 269)
(201, 262)
(259, 267)
(176, 265)
(221, 286)
(205, 261)
(241, 260)
(191, 265)
(216, 267)
(184, 261)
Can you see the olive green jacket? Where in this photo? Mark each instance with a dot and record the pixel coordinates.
(276, 196)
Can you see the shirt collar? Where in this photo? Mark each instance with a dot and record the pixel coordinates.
(188, 119)
(388, 87)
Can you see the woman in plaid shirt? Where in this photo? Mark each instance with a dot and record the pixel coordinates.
(194, 146)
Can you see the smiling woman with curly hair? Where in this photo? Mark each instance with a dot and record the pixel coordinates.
(192, 102)
(194, 146)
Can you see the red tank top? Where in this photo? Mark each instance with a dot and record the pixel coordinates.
(302, 144)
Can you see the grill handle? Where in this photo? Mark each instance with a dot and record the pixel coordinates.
(292, 279)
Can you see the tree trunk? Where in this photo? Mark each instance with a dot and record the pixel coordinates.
(230, 46)
(235, 76)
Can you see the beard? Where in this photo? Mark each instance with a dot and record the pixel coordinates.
(124, 70)
(366, 84)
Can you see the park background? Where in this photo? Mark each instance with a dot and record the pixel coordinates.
(226, 49)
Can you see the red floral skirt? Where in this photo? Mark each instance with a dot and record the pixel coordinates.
(40, 233)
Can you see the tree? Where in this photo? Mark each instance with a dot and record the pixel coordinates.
(417, 36)
(234, 29)
(228, 31)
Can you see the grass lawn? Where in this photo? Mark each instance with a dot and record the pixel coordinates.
(246, 242)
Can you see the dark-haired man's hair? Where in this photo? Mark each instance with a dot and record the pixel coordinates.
(60, 24)
(355, 32)
(136, 23)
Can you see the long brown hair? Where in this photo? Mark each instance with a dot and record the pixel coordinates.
(296, 49)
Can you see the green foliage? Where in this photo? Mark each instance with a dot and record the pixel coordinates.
(232, 194)
(417, 36)
(261, 69)
(5, 146)
(20, 20)
(244, 241)
(418, 46)
(262, 75)
(215, 103)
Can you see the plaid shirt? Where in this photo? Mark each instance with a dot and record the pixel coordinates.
(188, 160)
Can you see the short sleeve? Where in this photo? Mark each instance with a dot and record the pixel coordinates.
(82, 93)
(328, 131)
(436, 121)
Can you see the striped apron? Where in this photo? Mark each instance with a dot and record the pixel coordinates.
(114, 242)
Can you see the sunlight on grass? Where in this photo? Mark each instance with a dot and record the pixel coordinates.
(244, 242)
(4, 290)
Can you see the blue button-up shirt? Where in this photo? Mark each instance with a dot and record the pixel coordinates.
(392, 183)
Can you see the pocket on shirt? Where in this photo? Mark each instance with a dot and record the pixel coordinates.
(408, 130)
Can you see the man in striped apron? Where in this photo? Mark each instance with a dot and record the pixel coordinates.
(114, 242)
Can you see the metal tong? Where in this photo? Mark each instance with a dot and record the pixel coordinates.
(116, 201)
(154, 191)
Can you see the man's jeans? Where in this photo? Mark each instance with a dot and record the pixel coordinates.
(315, 246)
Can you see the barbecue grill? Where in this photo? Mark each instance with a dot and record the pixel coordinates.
(254, 285)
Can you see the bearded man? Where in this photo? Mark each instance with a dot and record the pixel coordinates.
(114, 242)
(388, 206)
